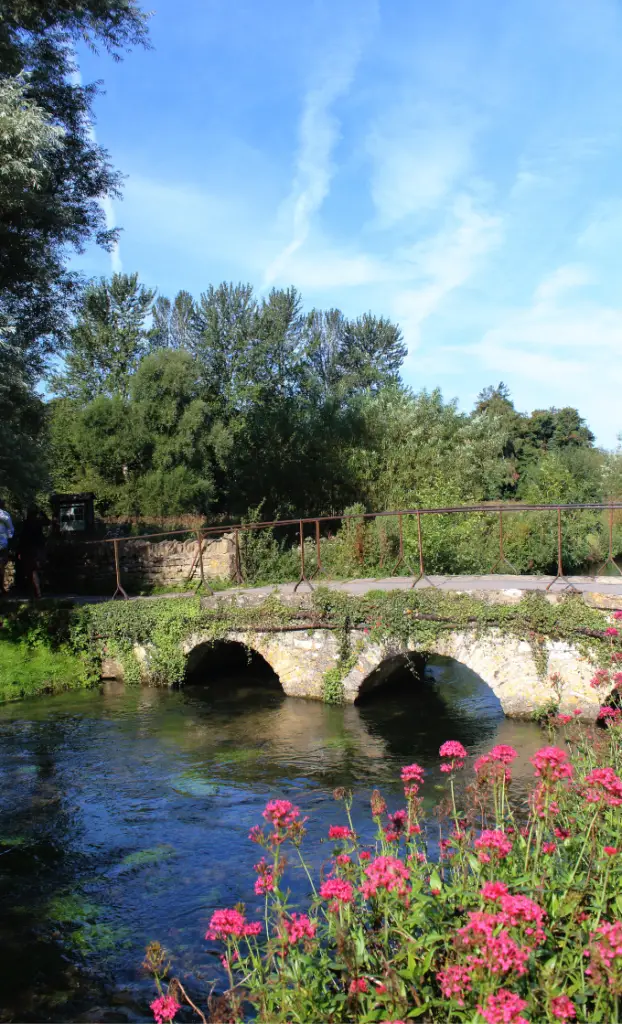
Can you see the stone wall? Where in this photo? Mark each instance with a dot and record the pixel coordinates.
(89, 568)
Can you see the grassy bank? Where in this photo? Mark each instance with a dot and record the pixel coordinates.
(27, 671)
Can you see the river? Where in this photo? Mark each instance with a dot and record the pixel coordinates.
(124, 816)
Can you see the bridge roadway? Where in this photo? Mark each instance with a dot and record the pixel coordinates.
(608, 586)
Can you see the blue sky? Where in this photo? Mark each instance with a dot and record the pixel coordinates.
(452, 164)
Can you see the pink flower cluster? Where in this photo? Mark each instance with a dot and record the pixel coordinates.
(455, 752)
(357, 985)
(563, 1008)
(281, 813)
(337, 890)
(386, 873)
(611, 715)
(455, 980)
(551, 764)
(605, 954)
(164, 1009)
(412, 777)
(340, 832)
(495, 841)
(603, 785)
(491, 949)
(298, 927)
(265, 881)
(231, 923)
(504, 1007)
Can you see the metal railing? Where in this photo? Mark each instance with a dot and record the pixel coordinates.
(499, 509)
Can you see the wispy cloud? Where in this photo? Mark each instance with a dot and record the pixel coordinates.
(445, 262)
(106, 203)
(319, 132)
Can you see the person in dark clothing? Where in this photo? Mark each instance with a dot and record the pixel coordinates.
(31, 548)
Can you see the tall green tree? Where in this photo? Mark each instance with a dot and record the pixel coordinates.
(109, 338)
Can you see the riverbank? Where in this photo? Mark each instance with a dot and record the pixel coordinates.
(28, 670)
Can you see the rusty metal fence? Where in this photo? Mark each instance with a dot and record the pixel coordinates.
(313, 526)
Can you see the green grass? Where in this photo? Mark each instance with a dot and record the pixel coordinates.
(28, 671)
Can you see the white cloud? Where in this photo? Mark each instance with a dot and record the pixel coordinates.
(445, 262)
(319, 131)
(417, 156)
(564, 279)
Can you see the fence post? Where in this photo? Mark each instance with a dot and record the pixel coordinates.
(117, 570)
(319, 569)
(303, 578)
(422, 573)
(238, 577)
(560, 567)
(610, 560)
(502, 559)
(202, 581)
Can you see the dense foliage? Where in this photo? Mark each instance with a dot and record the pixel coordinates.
(506, 910)
(53, 179)
(232, 402)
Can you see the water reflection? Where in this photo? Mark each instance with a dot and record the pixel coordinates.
(125, 814)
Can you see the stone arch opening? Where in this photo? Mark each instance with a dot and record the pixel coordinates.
(228, 664)
(428, 698)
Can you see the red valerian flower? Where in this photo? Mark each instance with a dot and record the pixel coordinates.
(494, 890)
(564, 719)
(164, 1009)
(563, 1008)
(503, 1008)
(337, 890)
(357, 985)
(611, 851)
(602, 784)
(298, 927)
(549, 847)
(611, 631)
(495, 841)
(455, 981)
(339, 832)
(386, 873)
(456, 753)
(551, 764)
(605, 955)
(225, 923)
(413, 773)
(503, 753)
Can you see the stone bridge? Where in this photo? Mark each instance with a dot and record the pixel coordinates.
(300, 658)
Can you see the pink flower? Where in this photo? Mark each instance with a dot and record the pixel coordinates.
(494, 890)
(503, 753)
(607, 714)
(611, 851)
(563, 1008)
(503, 1008)
(381, 988)
(337, 890)
(611, 631)
(617, 615)
(603, 785)
(164, 1009)
(412, 777)
(455, 980)
(265, 882)
(489, 769)
(492, 840)
(456, 753)
(298, 927)
(605, 955)
(343, 859)
(281, 813)
(339, 832)
(600, 678)
(551, 764)
(577, 712)
(549, 847)
(561, 833)
(386, 873)
(564, 719)
(365, 855)
(225, 923)
(357, 985)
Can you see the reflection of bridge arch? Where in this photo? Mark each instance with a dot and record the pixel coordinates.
(301, 658)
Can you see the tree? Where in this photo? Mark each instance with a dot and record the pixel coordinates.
(108, 340)
(173, 323)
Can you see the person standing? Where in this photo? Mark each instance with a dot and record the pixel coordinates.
(6, 535)
(31, 548)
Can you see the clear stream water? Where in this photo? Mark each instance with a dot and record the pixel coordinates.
(124, 816)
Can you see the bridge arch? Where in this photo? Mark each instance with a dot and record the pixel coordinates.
(211, 662)
(505, 663)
